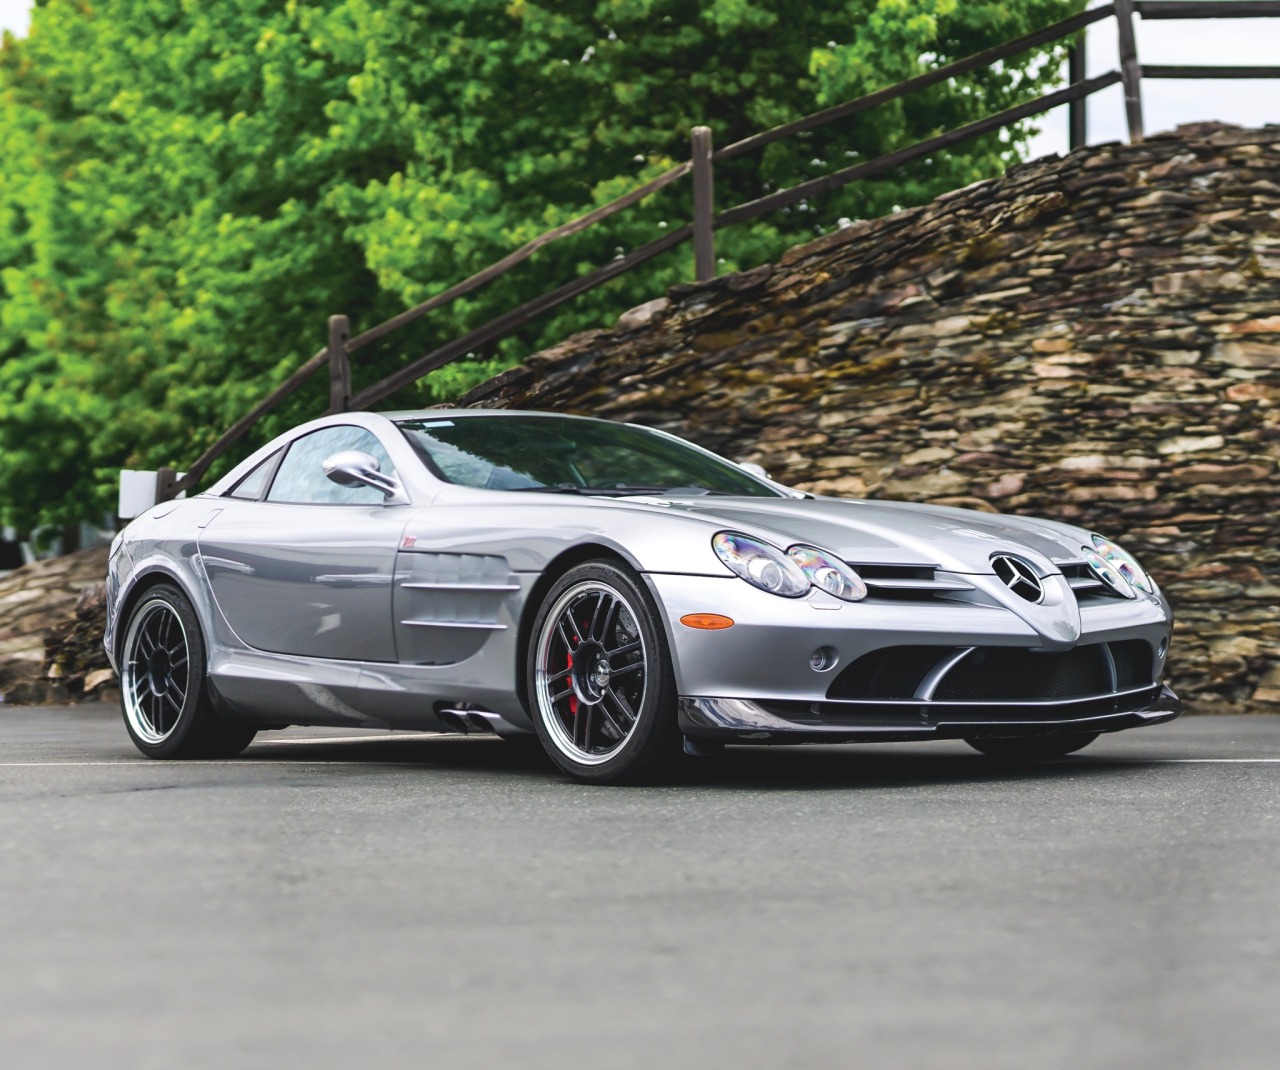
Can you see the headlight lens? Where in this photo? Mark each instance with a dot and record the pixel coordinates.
(1103, 569)
(1124, 563)
(829, 574)
(760, 564)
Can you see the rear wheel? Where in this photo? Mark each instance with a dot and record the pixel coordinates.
(163, 692)
(600, 680)
(1032, 748)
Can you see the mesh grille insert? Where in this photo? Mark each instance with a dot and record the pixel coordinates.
(892, 673)
(1133, 663)
(1002, 674)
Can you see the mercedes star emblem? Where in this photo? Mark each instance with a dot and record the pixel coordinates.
(1019, 577)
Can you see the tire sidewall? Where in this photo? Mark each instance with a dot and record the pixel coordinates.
(654, 742)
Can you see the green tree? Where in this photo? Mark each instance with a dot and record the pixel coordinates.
(191, 188)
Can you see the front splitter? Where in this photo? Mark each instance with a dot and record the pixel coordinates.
(755, 721)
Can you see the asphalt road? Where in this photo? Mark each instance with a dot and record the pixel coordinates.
(449, 902)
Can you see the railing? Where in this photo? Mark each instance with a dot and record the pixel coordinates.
(337, 352)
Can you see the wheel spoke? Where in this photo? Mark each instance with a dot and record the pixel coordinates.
(582, 724)
(624, 705)
(177, 706)
(617, 725)
(182, 691)
(564, 635)
(559, 696)
(626, 648)
(610, 620)
(635, 666)
(557, 676)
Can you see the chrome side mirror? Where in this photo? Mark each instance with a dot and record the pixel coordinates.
(349, 468)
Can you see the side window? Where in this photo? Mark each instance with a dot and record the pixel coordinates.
(301, 476)
(252, 485)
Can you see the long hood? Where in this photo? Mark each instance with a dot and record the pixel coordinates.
(876, 532)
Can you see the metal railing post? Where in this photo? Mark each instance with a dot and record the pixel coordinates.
(339, 364)
(1078, 110)
(704, 247)
(1130, 70)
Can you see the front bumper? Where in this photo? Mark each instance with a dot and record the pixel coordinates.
(733, 720)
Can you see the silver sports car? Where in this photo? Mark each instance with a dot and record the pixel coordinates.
(626, 595)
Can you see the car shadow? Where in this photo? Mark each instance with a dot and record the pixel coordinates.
(737, 768)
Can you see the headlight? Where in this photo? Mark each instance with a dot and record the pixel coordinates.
(829, 574)
(1103, 569)
(1123, 563)
(761, 565)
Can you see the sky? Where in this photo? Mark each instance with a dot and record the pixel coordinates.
(1249, 42)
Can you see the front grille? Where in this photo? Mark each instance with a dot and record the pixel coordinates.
(895, 672)
(996, 674)
(908, 583)
(1086, 586)
(1134, 666)
(1002, 674)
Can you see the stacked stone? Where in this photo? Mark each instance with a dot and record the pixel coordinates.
(40, 601)
(1094, 338)
(73, 652)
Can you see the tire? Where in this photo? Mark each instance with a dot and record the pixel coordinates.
(601, 688)
(164, 695)
(1032, 748)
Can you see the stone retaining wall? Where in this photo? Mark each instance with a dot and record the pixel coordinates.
(1095, 338)
(52, 615)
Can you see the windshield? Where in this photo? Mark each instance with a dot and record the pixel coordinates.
(571, 456)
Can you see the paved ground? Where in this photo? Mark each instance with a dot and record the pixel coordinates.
(453, 903)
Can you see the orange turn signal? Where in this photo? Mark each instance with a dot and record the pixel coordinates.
(707, 621)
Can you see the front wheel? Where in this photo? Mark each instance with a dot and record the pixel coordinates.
(1032, 748)
(600, 683)
(163, 692)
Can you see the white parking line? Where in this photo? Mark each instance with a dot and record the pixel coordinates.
(1194, 761)
(144, 763)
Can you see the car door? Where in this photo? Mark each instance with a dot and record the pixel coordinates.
(300, 565)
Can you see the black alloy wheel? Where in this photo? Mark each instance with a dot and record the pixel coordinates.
(600, 681)
(163, 692)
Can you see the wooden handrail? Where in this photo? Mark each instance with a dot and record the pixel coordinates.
(920, 81)
(784, 197)
(1215, 9)
(523, 253)
(1155, 70)
(516, 318)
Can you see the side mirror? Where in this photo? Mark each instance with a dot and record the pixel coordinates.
(349, 468)
(754, 469)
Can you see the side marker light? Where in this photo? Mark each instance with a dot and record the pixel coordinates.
(706, 621)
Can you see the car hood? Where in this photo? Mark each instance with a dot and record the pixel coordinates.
(878, 532)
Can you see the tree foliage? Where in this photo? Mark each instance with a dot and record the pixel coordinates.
(190, 189)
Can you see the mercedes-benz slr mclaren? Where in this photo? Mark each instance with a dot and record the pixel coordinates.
(627, 596)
